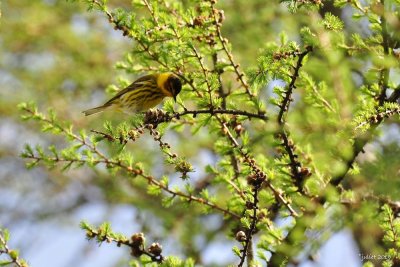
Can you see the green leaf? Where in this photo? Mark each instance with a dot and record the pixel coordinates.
(154, 190)
(211, 169)
(168, 201)
(331, 22)
(169, 105)
(236, 251)
(6, 263)
(202, 122)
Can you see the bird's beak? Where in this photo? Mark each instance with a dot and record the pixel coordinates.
(175, 98)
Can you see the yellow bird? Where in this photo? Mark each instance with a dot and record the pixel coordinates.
(143, 94)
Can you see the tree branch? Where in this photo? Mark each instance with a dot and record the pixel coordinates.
(384, 75)
(284, 107)
(251, 231)
(251, 162)
(13, 254)
(133, 171)
(377, 119)
(298, 173)
(224, 41)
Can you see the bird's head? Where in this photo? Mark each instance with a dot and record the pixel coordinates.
(173, 85)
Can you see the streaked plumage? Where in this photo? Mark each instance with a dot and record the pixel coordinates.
(143, 94)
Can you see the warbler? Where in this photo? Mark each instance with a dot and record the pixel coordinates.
(143, 94)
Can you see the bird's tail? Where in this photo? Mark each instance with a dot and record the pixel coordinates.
(94, 110)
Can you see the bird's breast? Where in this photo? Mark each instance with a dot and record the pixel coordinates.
(150, 103)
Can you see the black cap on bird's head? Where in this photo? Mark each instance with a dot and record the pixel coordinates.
(174, 85)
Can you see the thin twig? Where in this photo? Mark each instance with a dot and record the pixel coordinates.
(144, 47)
(359, 143)
(16, 260)
(297, 172)
(294, 163)
(374, 118)
(384, 74)
(128, 169)
(149, 178)
(224, 41)
(284, 107)
(221, 111)
(108, 238)
(205, 73)
(250, 232)
(221, 92)
(251, 163)
(324, 101)
(151, 11)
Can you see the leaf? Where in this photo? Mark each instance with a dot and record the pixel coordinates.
(6, 263)
(211, 169)
(201, 123)
(168, 201)
(154, 190)
(236, 251)
(169, 106)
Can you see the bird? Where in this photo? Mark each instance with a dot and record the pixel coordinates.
(143, 94)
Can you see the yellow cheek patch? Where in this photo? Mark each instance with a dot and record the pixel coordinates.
(161, 81)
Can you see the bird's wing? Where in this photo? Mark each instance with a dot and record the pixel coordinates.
(133, 86)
